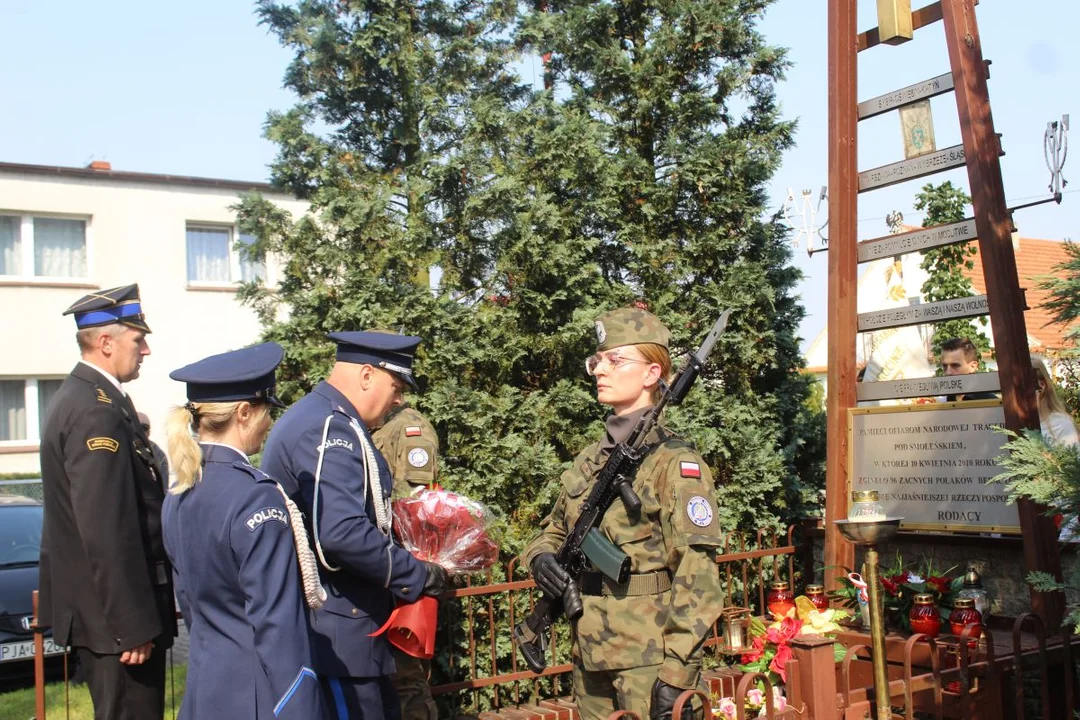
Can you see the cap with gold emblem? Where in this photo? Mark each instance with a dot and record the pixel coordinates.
(105, 307)
(630, 326)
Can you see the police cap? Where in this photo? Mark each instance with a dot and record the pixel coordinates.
(105, 307)
(393, 353)
(630, 326)
(245, 374)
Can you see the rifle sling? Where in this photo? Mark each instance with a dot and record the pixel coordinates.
(598, 584)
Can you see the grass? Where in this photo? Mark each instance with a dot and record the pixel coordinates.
(19, 704)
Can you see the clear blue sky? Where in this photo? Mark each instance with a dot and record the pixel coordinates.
(184, 89)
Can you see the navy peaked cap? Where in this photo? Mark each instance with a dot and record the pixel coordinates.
(391, 352)
(105, 307)
(245, 374)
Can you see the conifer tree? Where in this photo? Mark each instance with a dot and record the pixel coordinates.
(946, 203)
(637, 174)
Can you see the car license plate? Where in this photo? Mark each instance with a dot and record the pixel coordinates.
(25, 650)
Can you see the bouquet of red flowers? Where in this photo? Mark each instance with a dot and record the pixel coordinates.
(450, 530)
(447, 529)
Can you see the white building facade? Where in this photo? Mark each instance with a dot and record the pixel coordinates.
(66, 232)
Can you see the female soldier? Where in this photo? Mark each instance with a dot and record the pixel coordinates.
(229, 536)
(637, 645)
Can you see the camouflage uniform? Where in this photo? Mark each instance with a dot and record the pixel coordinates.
(409, 443)
(653, 626)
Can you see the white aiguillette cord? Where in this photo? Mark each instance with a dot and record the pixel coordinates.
(314, 592)
(372, 484)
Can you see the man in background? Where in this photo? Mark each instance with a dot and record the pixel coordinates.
(159, 455)
(960, 357)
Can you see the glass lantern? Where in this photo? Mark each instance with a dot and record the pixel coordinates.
(973, 588)
(735, 622)
(779, 599)
(816, 595)
(963, 616)
(924, 615)
(866, 507)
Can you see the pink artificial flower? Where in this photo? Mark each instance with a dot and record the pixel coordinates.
(726, 709)
(755, 697)
(779, 701)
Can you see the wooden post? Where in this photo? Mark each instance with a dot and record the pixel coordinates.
(39, 663)
(1006, 300)
(843, 264)
(817, 674)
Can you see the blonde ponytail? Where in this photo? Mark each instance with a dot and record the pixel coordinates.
(184, 452)
(182, 428)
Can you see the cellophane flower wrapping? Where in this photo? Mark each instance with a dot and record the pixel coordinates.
(448, 529)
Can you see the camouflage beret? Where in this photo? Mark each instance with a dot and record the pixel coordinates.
(630, 326)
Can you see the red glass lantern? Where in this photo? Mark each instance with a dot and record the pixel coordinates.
(779, 599)
(924, 615)
(964, 615)
(816, 595)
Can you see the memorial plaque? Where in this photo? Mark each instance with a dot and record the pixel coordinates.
(929, 312)
(898, 172)
(905, 96)
(917, 240)
(930, 464)
(928, 387)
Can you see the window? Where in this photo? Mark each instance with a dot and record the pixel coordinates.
(43, 247)
(213, 257)
(24, 408)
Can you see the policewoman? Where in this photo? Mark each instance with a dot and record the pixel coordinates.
(637, 646)
(322, 452)
(232, 543)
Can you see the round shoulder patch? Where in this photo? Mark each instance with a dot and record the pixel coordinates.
(699, 511)
(418, 457)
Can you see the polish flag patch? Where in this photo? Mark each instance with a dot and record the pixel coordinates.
(412, 431)
(689, 469)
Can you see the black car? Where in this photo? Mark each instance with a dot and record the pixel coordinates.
(20, 547)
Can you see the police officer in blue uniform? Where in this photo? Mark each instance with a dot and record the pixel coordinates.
(322, 453)
(230, 537)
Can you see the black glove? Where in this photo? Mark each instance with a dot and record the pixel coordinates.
(571, 601)
(437, 582)
(662, 704)
(549, 575)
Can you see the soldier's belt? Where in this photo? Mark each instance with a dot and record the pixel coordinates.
(654, 583)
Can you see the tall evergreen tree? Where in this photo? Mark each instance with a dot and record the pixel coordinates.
(680, 94)
(636, 175)
(946, 203)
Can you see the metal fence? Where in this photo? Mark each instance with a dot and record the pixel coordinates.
(26, 488)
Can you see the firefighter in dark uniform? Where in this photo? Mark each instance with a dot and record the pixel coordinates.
(229, 534)
(322, 453)
(105, 581)
(411, 447)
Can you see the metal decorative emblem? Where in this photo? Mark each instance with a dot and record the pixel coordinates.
(802, 216)
(1056, 149)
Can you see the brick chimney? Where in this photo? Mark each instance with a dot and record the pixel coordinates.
(100, 165)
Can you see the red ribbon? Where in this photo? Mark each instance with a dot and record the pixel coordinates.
(411, 627)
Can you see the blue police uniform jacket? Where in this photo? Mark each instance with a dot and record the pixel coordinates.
(239, 588)
(373, 570)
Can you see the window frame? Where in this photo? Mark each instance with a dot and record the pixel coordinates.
(236, 273)
(26, 239)
(31, 397)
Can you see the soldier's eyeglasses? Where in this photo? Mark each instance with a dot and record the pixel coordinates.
(613, 361)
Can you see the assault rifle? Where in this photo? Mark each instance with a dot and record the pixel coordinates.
(585, 543)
